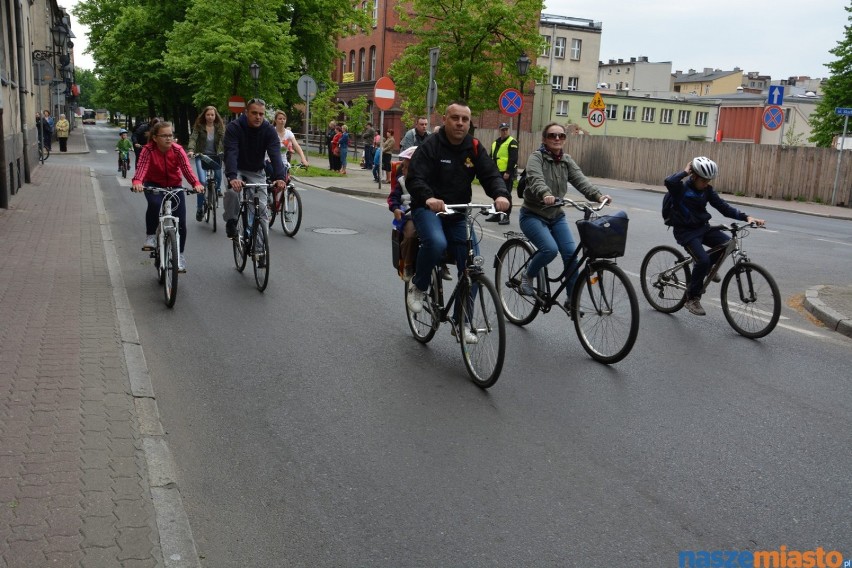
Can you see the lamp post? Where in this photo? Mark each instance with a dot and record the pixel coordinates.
(523, 68)
(255, 74)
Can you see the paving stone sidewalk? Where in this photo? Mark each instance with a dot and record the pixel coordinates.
(73, 481)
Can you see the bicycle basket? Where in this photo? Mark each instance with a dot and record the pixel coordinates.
(605, 236)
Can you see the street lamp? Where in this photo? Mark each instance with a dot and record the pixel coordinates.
(523, 68)
(255, 74)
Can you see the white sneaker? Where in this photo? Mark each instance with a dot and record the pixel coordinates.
(414, 298)
(150, 242)
(469, 336)
(181, 263)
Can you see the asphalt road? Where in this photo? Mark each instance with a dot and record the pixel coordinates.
(310, 429)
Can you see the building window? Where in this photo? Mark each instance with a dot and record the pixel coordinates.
(573, 83)
(373, 63)
(557, 82)
(683, 117)
(375, 13)
(342, 66)
(585, 111)
(648, 114)
(559, 47)
(612, 112)
(546, 51)
(561, 108)
(666, 116)
(352, 61)
(629, 113)
(701, 118)
(576, 46)
(362, 76)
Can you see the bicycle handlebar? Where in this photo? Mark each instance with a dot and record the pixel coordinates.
(209, 163)
(581, 205)
(156, 189)
(450, 208)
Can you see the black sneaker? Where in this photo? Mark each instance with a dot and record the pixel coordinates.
(504, 220)
(493, 218)
(199, 214)
(231, 228)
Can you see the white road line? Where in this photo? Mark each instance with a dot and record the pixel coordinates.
(835, 242)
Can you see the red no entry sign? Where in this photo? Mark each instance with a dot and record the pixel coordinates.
(385, 93)
(236, 104)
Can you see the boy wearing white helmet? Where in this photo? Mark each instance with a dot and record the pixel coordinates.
(123, 146)
(690, 221)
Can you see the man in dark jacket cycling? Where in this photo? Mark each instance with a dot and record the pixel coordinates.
(690, 221)
(441, 171)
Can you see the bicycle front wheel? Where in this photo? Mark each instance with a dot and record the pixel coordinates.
(424, 325)
(481, 331)
(291, 211)
(512, 260)
(663, 285)
(170, 258)
(751, 301)
(123, 169)
(240, 243)
(605, 312)
(260, 255)
(272, 206)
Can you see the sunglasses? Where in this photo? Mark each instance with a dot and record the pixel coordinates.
(166, 136)
(260, 102)
(557, 135)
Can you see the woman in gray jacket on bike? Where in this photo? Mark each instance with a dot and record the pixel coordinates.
(549, 171)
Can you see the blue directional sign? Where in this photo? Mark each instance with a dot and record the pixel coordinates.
(776, 95)
(511, 102)
(843, 111)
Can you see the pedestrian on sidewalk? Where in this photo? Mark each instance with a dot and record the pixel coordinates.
(161, 163)
(329, 136)
(504, 151)
(387, 151)
(62, 129)
(368, 136)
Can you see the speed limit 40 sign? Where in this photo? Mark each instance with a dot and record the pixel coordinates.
(597, 117)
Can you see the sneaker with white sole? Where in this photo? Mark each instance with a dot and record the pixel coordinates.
(525, 288)
(694, 307)
(469, 336)
(415, 297)
(181, 263)
(150, 242)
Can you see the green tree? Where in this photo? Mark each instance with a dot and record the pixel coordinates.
(480, 42)
(837, 91)
(356, 118)
(89, 84)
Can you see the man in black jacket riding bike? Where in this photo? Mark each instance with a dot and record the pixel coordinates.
(441, 171)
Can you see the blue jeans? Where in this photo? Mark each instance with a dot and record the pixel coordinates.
(152, 215)
(202, 177)
(550, 236)
(436, 234)
(703, 261)
(344, 151)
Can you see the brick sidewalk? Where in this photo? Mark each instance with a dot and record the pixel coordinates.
(73, 480)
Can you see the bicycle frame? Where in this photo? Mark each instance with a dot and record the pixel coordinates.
(166, 219)
(733, 248)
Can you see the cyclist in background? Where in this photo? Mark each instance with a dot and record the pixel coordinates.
(248, 140)
(690, 221)
(161, 163)
(442, 170)
(123, 147)
(208, 134)
(549, 171)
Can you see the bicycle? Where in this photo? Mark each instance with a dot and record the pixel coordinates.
(211, 195)
(252, 238)
(165, 254)
(477, 322)
(288, 206)
(123, 162)
(602, 305)
(43, 152)
(750, 298)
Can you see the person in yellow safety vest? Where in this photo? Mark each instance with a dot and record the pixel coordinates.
(504, 150)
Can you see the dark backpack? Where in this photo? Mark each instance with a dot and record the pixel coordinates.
(668, 208)
(522, 184)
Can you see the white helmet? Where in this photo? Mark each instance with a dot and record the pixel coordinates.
(705, 168)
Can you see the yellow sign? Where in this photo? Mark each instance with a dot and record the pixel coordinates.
(597, 102)
(348, 77)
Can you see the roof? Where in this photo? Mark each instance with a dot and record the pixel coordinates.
(703, 76)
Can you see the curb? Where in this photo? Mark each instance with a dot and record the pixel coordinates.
(344, 190)
(833, 319)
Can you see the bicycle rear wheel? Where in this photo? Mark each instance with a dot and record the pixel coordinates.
(291, 211)
(123, 168)
(663, 286)
(240, 243)
(510, 264)
(481, 331)
(751, 301)
(272, 207)
(605, 312)
(170, 257)
(260, 255)
(424, 325)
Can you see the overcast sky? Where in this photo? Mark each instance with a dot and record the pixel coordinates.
(781, 38)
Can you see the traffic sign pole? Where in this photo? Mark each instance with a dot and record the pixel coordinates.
(839, 157)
